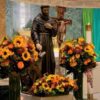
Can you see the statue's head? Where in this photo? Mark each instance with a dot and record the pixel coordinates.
(45, 10)
(60, 12)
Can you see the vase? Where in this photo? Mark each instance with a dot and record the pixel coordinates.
(79, 93)
(14, 86)
(62, 97)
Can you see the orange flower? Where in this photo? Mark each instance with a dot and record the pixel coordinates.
(1, 52)
(87, 61)
(72, 59)
(77, 56)
(20, 65)
(31, 46)
(71, 82)
(5, 63)
(5, 42)
(11, 46)
(70, 51)
(73, 64)
(52, 86)
(55, 80)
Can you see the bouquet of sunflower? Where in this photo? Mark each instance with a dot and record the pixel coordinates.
(17, 54)
(77, 55)
(52, 85)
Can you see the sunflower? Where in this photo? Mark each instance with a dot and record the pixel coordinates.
(88, 49)
(92, 46)
(35, 55)
(19, 41)
(36, 83)
(58, 87)
(26, 56)
(81, 40)
(69, 44)
(71, 82)
(49, 89)
(6, 53)
(35, 90)
(61, 89)
(49, 77)
(44, 85)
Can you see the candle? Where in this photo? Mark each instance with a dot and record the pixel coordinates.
(88, 33)
(89, 73)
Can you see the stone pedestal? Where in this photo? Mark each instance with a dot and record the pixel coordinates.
(30, 97)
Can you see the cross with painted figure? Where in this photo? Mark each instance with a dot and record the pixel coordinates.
(62, 23)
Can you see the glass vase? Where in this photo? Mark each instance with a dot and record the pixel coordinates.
(14, 86)
(79, 93)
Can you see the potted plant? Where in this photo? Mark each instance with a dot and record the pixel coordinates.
(77, 56)
(16, 55)
(53, 87)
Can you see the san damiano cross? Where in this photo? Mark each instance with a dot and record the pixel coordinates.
(62, 23)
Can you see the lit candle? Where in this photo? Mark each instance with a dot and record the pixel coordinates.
(89, 73)
(88, 33)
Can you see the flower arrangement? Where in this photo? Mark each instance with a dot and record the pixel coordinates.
(17, 54)
(77, 55)
(51, 85)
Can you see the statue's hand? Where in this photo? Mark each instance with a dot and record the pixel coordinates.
(39, 46)
(48, 25)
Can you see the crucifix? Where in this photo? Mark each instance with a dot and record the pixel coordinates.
(61, 27)
(61, 24)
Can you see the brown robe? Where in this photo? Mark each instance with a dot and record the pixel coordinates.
(42, 35)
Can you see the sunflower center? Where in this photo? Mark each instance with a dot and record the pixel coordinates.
(25, 55)
(5, 53)
(45, 85)
(18, 42)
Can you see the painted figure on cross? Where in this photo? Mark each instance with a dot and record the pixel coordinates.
(62, 22)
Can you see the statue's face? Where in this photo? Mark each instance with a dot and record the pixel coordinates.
(60, 12)
(45, 11)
